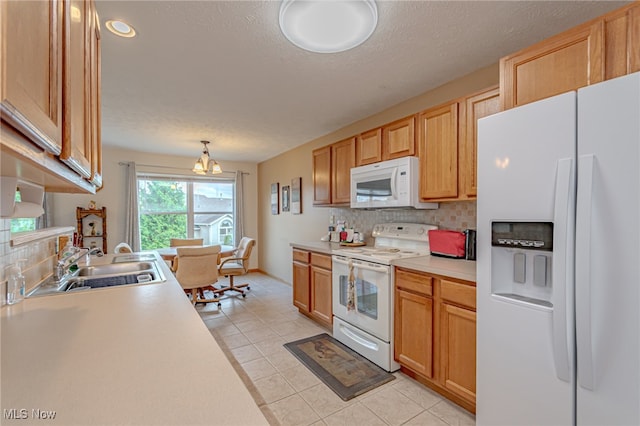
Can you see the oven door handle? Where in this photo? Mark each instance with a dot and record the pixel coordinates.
(366, 266)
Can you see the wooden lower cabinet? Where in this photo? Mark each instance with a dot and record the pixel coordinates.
(320, 308)
(414, 349)
(301, 294)
(435, 333)
(312, 285)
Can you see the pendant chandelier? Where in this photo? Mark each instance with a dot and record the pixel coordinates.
(205, 164)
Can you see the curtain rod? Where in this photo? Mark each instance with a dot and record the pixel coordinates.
(122, 163)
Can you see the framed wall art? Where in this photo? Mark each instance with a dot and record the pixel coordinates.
(296, 195)
(275, 198)
(285, 198)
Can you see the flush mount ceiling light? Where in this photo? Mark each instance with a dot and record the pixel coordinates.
(205, 163)
(328, 26)
(120, 28)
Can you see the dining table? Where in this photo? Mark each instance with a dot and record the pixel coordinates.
(169, 253)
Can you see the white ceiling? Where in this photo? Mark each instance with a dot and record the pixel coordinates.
(223, 71)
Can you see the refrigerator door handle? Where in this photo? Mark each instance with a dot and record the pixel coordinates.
(563, 270)
(586, 377)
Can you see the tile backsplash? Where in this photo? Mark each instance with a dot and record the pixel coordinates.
(457, 216)
(39, 252)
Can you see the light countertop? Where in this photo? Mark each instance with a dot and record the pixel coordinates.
(318, 246)
(453, 268)
(137, 354)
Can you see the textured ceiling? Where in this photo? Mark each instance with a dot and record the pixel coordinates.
(223, 71)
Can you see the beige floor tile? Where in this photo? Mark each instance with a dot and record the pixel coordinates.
(274, 388)
(302, 333)
(418, 393)
(283, 360)
(254, 330)
(453, 414)
(323, 400)
(224, 329)
(284, 326)
(392, 406)
(293, 411)
(426, 419)
(250, 324)
(258, 368)
(300, 377)
(271, 346)
(246, 353)
(235, 340)
(355, 414)
(260, 334)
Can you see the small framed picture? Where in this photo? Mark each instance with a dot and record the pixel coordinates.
(285, 198)
(275, 198)
(296, 196)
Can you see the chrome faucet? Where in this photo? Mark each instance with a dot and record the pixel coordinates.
(62, 266)
(96, 251)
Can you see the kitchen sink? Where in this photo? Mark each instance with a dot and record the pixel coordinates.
(114, 268)
(134, 257)
(80, 283)
(100, 276)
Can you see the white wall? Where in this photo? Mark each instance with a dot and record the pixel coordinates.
(278, 231)
(112, 194)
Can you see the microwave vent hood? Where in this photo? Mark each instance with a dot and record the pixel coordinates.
(387, 184)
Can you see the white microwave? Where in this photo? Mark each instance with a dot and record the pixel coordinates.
(392, 183)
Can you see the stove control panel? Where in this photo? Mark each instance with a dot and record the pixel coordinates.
(408, 231)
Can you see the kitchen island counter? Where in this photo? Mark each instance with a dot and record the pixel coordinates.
(453, 268)
(137, 354)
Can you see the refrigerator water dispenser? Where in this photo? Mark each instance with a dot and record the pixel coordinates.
(521, 261)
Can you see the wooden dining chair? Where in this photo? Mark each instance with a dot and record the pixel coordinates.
(198, 271)
(181, 242)
(236, 265)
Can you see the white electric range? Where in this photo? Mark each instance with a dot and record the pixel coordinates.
(368, 329)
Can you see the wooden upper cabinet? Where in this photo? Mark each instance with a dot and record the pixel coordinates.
(76, 131)
(343, 158)
(633, 45)
(398, 139)
(32, 34)
(322, 176)
(438, 152)
(96, 78)
(475, 107)
(369, 147)
(565, 62)
(622, 41)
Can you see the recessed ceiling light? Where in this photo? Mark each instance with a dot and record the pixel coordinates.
(120, 28)
(328, 26)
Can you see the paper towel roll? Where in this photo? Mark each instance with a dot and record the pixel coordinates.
(26, 209)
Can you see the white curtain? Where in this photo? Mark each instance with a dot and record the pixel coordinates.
(131, 224)
(239, 208)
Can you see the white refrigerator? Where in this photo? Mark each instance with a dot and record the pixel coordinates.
(558, 260)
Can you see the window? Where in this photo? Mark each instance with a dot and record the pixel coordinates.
(173, 207)
(22, 224)
(226, 232)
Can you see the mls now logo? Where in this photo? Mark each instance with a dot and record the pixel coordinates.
(15, 413)
(23, 413)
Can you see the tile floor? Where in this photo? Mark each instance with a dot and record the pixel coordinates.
(252, 331)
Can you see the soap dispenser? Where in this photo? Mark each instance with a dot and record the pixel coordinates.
(16, 282)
